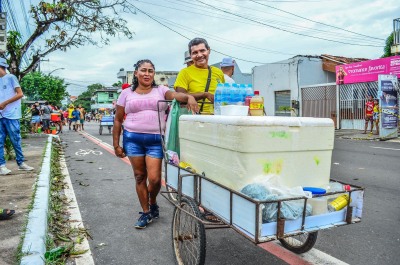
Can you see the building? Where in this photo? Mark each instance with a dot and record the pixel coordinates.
(103, 99)
(300, 86)
(165, 78)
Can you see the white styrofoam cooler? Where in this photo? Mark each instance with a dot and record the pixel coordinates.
(234, 150)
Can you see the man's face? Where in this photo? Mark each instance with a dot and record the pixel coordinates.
(370, 98)
(199, 55)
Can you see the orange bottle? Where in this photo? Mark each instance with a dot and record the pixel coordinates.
(256, 105)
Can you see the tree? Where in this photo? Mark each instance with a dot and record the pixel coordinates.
(38, 86)
(85, 98)
(65, 24)
(388, 45)
(117, 84)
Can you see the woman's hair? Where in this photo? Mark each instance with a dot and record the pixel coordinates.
(135, 82)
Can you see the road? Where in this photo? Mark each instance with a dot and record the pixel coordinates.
(104, 188)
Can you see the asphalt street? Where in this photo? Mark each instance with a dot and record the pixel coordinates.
(105, 191)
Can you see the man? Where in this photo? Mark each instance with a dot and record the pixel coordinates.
(75, 120)
(188, 59)
(10, 113)
(46, 115)
(228, 68)
(70, 110)
(193, 79)
(369, 114)
(82, 117)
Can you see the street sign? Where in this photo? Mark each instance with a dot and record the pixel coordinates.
(3, 31)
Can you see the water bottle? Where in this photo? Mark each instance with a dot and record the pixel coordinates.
(226, 96)
(218, 99)
(242, 88)
(235, 94)
(249, 94)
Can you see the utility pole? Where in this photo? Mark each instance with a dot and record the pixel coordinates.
(41, 60)
(3, 30)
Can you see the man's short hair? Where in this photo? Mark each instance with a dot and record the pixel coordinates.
(197, 41)
(46, 103)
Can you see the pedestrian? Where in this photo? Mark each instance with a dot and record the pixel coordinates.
(10, 113)
(228, 68)
(46, 115)
(59, 111)
(141, 135)
(70, 110)
(376, 115)
(6, 213)
(188, 59)
(82, 117)
(35, 120)
(75, 120)
(200, 80)
(369, 112)
(65, 114)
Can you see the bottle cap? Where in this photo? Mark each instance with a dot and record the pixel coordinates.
(346, 187)
(256, 92)
(314, 190)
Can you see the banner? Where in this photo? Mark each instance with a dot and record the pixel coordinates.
(388, 101)
(367, 71)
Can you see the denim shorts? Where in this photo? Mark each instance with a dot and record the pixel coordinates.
(142, 144)
(35, 119)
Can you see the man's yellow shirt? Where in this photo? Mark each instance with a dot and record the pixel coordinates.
(194, 80)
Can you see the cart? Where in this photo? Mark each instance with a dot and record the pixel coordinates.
(106, 121)
(189, 192)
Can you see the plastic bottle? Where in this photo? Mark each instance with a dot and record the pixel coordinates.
(235, 94)
(226, 96)
(257, 105)
(242, 88)
(249, 94)
(339, 203)
(218, 99)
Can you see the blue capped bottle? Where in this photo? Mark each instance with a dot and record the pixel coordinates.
(218, 99)
(226, 94)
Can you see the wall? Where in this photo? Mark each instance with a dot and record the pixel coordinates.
(291, 75)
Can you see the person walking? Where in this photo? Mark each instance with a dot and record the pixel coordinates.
(376, 115)
(369, 112)
(46, 115)
(141, 135)
(70, 110)
(10, 113)
(75, 120)
(82, 117)
(35, 120)
(228, 68)
(200, 80)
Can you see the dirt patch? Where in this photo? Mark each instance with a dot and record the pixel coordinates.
(16, 193)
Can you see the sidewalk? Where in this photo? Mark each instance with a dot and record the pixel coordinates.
(358, 135)
(16, 193)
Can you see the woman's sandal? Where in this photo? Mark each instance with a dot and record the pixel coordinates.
(210, 217)
(6, 214)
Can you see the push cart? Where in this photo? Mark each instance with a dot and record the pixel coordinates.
(190, 193)
(106, 121)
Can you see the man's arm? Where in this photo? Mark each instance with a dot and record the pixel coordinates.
(17, 96)
(197, 96)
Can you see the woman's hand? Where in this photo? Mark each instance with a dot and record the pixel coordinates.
(119, 151)
(192, 105)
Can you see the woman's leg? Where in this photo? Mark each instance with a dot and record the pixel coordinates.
(154, 177)
(139, 170)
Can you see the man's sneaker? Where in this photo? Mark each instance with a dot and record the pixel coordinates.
(4, 170)
(144, 220)
(155, 213)
(25, 167)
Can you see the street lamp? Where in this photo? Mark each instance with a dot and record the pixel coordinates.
(62, 68)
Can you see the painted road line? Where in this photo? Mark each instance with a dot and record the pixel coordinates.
(75, 217)
(385, 148)
(313, 257)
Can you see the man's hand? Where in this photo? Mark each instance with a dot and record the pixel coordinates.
(209, 96)
(2, 105)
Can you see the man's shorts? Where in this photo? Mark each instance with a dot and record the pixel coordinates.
(376, 116)
(369, 118)
(75, 122)
(35, 119)
(82, 121)
(142, 144)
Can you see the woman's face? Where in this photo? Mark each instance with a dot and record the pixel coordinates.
(145, 74)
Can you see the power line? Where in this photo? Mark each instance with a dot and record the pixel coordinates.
(289, 31)
(287, 12)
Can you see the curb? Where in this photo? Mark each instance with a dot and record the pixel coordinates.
(34, 245)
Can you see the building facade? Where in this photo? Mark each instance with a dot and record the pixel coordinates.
(104, 99)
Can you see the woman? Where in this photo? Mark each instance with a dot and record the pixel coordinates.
(142, 139)
(35, 121)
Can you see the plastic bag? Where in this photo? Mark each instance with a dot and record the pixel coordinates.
(270, 188)
(172, 129)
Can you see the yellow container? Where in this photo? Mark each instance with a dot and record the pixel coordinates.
(339, 203)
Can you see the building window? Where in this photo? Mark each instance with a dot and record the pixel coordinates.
(282, 103)
(110, 95)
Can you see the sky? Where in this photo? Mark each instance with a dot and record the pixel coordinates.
(253, 32)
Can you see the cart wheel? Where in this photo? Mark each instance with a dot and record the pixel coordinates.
(188, 235)
(301, 243)
(101, 130)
